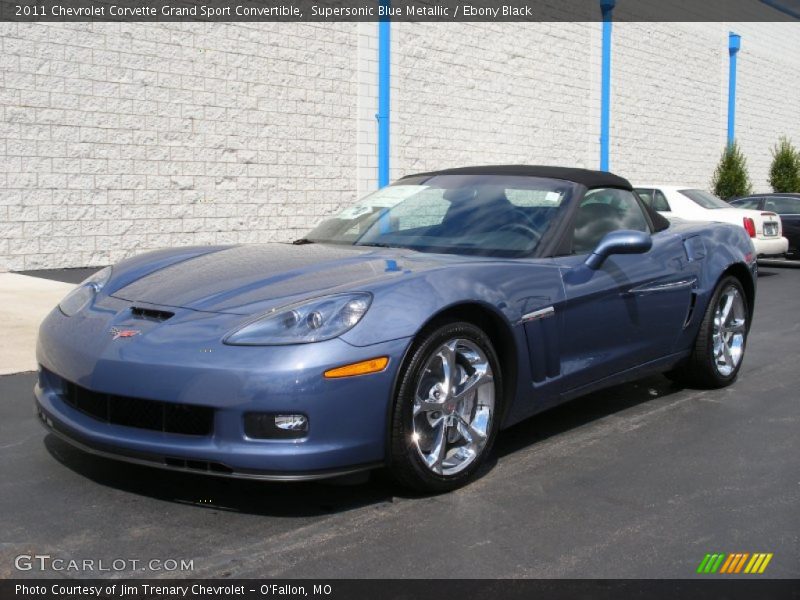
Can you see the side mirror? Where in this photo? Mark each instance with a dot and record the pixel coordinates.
(624, 241)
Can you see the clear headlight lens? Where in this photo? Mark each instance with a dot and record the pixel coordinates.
(81, 296)
(309, 321)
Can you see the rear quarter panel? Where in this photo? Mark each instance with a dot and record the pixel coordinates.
(723, 247)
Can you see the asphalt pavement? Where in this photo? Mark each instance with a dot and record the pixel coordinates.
(638, 481)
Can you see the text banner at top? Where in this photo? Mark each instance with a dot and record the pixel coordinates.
(398, 10)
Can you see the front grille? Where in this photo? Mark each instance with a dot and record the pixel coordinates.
(139, 413)
(197, 465)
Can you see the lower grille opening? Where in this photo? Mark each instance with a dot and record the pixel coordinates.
(197, 465)
(142, 414)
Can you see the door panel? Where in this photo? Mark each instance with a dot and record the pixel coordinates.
(628, 312)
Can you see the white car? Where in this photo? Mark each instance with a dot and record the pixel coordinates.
(675, 201)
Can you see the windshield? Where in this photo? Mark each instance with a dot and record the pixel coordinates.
(493, 215)
(705, 199)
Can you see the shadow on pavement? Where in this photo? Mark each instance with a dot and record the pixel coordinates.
(290, 499)
(581, 411)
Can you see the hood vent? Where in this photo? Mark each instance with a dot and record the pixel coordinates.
(151, 314)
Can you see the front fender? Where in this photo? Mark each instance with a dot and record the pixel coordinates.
(508, 290)
(402, 306)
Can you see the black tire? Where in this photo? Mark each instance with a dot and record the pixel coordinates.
(700, 369)
(405, 462)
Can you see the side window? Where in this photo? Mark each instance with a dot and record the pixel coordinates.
(603, 211)
(646, 195)
(783, 206)
(660, 202)
(751, 203)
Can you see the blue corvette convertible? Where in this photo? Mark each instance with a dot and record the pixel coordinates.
(404, 332)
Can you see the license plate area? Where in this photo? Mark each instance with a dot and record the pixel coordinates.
(770, 229)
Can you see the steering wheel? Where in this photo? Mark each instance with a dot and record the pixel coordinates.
(522, 229)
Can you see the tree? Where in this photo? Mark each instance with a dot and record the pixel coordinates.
(731, 179)
(784, 174)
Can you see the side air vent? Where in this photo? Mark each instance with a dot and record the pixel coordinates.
(151, 314)
(690, 312)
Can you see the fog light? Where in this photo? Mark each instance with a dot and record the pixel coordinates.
(291, 422)
(266, 426)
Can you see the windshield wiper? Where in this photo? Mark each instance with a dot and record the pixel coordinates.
(302, 242)
(376, 245)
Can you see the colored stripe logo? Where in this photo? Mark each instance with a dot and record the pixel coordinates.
(731, 564)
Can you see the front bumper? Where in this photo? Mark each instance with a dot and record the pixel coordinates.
(188, 466)
(771, 247)
(182, 361)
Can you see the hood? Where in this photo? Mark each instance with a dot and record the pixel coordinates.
(249, 279)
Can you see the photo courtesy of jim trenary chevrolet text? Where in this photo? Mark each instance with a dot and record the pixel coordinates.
(346, 299)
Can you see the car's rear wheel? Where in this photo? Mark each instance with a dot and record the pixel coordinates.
(720, 345)
(446, 413)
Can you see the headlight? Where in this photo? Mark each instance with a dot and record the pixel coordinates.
(81, 296)
(309, 321)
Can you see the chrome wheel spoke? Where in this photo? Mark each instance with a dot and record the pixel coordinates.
(468, 432)
(426, 406)
(725, 312)
(736, 327)
(726, 355)
(448, 356)
(478, 378)
(439, 451)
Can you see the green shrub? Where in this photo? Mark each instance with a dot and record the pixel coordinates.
(731, 179)
(784, 174)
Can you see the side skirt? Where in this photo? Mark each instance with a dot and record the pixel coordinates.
(649, 368)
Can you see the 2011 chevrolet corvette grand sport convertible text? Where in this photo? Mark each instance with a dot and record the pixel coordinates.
(404, 332)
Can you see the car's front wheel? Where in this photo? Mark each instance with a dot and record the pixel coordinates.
(719, 348)
(446, 413)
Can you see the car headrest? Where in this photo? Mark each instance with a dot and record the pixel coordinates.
(590, 213)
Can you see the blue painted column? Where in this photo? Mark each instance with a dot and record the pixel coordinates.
(384, 96)
(734, 45)
(607, 7)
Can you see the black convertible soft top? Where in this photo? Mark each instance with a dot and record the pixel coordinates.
(587, 177)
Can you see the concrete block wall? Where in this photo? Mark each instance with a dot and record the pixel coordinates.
(670, 98)
(669, 101)
(493, 93)
(768, 96)
(119, 138)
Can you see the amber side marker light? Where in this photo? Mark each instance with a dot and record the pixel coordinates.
(373, 365)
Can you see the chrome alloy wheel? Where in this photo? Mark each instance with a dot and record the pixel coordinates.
(453, 407)
(730, 326)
